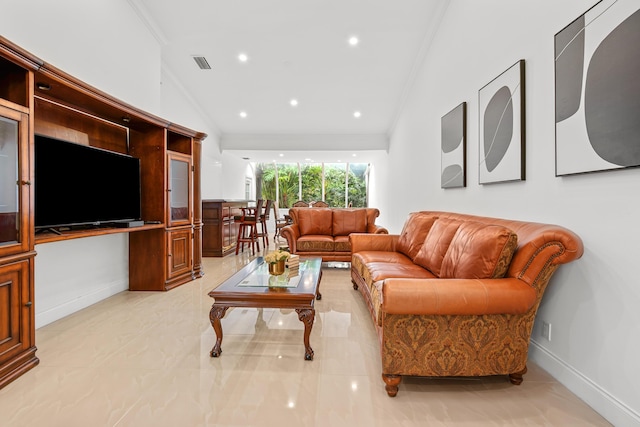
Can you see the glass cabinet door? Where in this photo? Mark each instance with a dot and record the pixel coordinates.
(14, 181)
(179, 189)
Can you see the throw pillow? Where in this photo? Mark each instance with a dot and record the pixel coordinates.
(414, 232)
(479, 251)
(436, 244)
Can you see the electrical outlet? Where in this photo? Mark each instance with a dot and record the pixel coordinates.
(546, 330)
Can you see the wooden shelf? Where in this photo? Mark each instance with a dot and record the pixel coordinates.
(78, 234)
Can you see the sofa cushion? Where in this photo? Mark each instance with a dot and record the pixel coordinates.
(376, 271)
(315, 221)
(347, 221)
(359, 260)
(479, 251)
(315, 243)
(436, 244)
(414, 232)
(342, 244)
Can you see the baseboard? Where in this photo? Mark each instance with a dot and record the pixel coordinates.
(614, 411)
(79, 303)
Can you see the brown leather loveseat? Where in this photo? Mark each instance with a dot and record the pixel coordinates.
(324, 232)
(456, 294)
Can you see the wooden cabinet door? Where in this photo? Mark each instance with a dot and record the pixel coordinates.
(15, 310)
(15, 182)
(180, 252)
(180, 190)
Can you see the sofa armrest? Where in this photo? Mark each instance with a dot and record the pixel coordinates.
(457, 296)
(376, 229)
(373, 242)
(550, 246)
(291, 232)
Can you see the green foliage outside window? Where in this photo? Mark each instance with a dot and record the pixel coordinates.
(288, 183)
(358, 185)
(311, 182)
(334, 175)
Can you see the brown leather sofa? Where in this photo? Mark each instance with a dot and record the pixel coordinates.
(324, 232)
(456, 294)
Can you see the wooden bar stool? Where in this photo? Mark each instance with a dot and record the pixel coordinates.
(263, 219)
(281, 222)
(248, 228)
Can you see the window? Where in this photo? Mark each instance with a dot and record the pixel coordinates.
(358, 185)
(335, 178)
(312, 182)
(339, 184)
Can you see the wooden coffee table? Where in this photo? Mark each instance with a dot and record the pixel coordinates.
(252, 286)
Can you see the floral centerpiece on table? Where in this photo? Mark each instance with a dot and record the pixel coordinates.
(276, 260)
(276, 256)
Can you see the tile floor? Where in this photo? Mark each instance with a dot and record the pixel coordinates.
(142, 359)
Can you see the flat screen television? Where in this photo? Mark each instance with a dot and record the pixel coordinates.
(79, 185)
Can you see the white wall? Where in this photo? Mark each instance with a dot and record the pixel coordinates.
(234, 172)
(592, 304)
(73, 274)
(100, 42)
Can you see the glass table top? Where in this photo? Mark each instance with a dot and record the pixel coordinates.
(260, 276)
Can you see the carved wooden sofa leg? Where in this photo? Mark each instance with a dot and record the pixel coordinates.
(355, 285)
(391, 383)
(516, 377)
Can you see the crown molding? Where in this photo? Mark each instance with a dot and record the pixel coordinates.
(148, 21)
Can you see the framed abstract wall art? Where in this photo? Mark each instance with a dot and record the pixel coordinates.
(453, 152)
(597, 89)
(502, 127)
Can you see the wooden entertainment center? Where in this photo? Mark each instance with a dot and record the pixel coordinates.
(165, 252)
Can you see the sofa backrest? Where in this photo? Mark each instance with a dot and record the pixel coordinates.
(538, 245)
(333, 221)
(313, 221)
(347, 221)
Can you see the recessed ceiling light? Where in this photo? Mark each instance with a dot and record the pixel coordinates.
(357, 114)
(294, 102)
(353, 41)
(354, 155)
(243, 114)
(281, 155)
(243, 57)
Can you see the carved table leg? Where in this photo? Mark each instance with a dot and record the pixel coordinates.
(318, 294)
(307, 316)
(391, 384)
(516, 377)
(215, 315)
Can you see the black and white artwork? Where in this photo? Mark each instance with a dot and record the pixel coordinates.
(597, 89)
(502, 127)
(454, 148)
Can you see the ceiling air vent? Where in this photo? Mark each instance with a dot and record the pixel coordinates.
(202, 62)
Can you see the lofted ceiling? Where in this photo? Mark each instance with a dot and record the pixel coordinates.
(296, 49)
